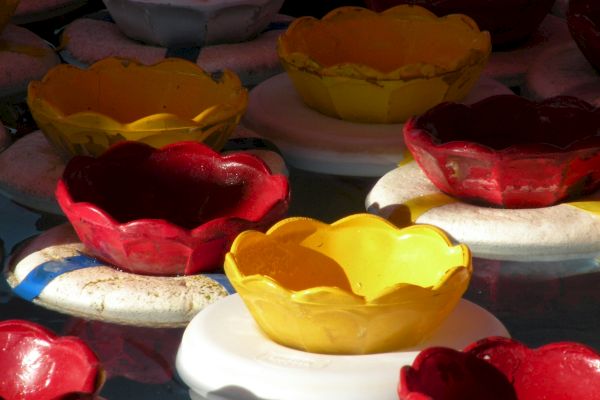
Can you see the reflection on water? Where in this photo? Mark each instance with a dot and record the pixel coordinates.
(541, 302)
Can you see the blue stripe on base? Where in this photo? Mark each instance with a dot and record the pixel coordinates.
(222, 280)
(39, 277)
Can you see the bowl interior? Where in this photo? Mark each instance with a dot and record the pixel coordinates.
(127, 92)
(384, 42)
(504, 121)
(185, 188)
(358, 259)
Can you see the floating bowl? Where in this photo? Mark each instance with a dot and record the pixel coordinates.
(583, 19)
(360, 285)
(361, 66)
(171, 211)
(85, 111)
(7, 9)
(503, 369)
(509, 22)
(38, 365)
(181, 23)
(506, 151)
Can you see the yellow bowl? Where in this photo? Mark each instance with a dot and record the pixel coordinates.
(360, 285)
(361, 66)
(7, 9)
(86, 111)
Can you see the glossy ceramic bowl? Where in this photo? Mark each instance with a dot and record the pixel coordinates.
(181, 23)
(86, 111)
(508, 21)
(361, 66)
(506, 151)
(583, 19)
(38, 365)
(170, 211)
(7, 9)
(503, 369)
(360, 285)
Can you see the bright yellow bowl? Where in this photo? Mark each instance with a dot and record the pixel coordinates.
(361, 66)
(7, 9)
(360, 285)
(86, 111)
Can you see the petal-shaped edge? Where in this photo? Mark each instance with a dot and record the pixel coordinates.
(479, 51)
(57, 355)
(504, 369)
(41, 103)
(219, 228)
(297, 229)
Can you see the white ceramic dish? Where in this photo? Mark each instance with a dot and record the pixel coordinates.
(554, 233)
(86, 288)
(224, 355)
(318, 143)
(181, 23)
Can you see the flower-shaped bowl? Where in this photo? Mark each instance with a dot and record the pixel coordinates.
(361, 66)
(583, 19)
(181, 23)
(38, 365)
(85, 111)
(506, 151)
(169, 211)
(503, 369)
(360, 285)
(7, 9)
(509, 22)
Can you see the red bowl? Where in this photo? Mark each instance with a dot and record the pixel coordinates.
(38, 365)
(506, 151)
(583, 19)
(503, 369)
(508, 21)
(168, 211)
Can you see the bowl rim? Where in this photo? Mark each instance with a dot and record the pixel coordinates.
(67, 202)
(445, 283)
(305, 63)
(415, 135)
(205, 118)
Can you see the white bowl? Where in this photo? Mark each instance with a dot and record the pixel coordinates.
(183, 23)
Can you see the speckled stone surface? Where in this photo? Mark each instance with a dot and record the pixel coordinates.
(511, 66)
(23, 57)
(541, 234)
(563, 70)
(106, 294)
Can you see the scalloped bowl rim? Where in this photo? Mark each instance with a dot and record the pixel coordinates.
(535, 149)
(310, 65)
(63, 193)
(296, 296)
(54, 113)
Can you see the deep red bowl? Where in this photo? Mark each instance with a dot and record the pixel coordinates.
(503, 369)
(38, 365)
(506, 151)
(508, 21)
(168, 211)
(583, 19)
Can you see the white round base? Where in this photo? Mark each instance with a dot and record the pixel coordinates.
(223, 355)
(563, 70)
(511, 66)
(315, 142)
(560, 232)
(55, 272)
